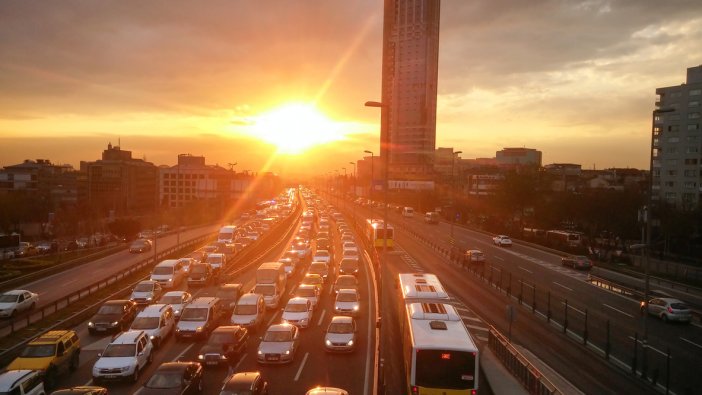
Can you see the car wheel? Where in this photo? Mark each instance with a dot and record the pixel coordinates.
(135, 376)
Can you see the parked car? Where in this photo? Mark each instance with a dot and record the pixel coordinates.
(17, 301)
(140, 245)
(225, 344)
(250, 383)
(113, 316)
(174, 378)
(502, 241)
(81, 390)
(668, 309)
(340, 335)
(123, 358)
(577, 262)
(278, 344)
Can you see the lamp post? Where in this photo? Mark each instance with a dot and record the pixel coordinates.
(370, 191)
(353, 204)
(453, 200)
(336, 188)
(343, 189)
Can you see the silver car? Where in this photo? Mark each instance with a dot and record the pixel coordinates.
(340, 335)
(668, 309)
(347, 302)
(278, 344)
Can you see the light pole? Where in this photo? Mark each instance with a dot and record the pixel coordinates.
(343, 189)
(370, 191)
(353, 204)
(336, 188)
(453, 200)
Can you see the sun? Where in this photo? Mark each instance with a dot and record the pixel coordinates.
(294, 128)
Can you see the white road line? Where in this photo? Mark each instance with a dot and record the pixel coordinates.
(563, 286)
(474, 319)
(302, 365)
(319, 323)
(652, 348)
(573, 308)
(526, 270)
(183, 352)
(691, 342)
(484, 339)
(461, 308)
(501, 259)
(617, 310)
(477, 328)
(90, 382)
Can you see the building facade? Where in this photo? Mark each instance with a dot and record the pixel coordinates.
(409, 87)
(58, 185)
(518, 157)
(676, 158)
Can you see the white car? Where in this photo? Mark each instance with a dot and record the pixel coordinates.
(309, 292)
(349, 245)
(347, 302)
(17, 301)
(288, 265)
(298, 312)
(157, 321)
(322, 256)
(124, 358)
(350, 253)
(22, 382)
(178, 300)
(502, 241)
(278, 344)
(146, 292)
(340, 335)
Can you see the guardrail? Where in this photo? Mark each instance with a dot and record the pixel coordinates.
(519, 366)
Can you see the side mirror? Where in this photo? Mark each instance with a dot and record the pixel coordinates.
(59, 353)
(99, 355)
(140, 353)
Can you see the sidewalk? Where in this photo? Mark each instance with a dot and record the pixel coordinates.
(498, 377)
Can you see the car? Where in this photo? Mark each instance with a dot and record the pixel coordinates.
(174, 378)
(278, 344)
(249, 311)
(577, 262)
(169, 273)
(140, 245)
(302, 247)
(345, 281)
(349, 266)
(668, 309)
(224, 345)
(229, 294)
(347, 237)
(314, 279)
(474, 257)
(17, 301)
(178, 300)
(502, 241)
(350, 253)
(157, 320)
(327, 391)
(340, 335)
(322, 256)
(146, 292)
(124, 358)
(53, 353)
(249, 383)
(309, 292)
(298, 311)
(347, 302)
(323, 243)
(21, 382)
(321, 268)
(349, 245)
(200, 274)
(288, 265)
(113, 316)
(293, 256)
(82, 390)
(199, 318)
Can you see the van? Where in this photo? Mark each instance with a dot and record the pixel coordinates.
(431, 217)
(199, 318)
(271, 294)
(169, 273)
(408, 212)
(157, 320)
(249, 311)
(218, 261)
(228, 294)
(272, 273)
(227, 234)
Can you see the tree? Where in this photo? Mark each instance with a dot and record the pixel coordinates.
(125, 228)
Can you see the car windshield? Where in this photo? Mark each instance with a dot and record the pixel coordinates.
(318, 267)
(679, 306)
(144, 287)
(347, 297)
(139, 243)
(145, 323)
(265, 290)
(171, 299)
(199, 269)
(8, 298)
(161, 270)
(305, 292)
(235, 391)
(340, 327)
(321, 254)
(38, 351)
(227, 293)
(120, 350)
(290, 254)
(194, 314)
(164, 380)
(296, 308)
(221, 338)
(313, 280)
(110, 309)
(245, 309)
(277, 336)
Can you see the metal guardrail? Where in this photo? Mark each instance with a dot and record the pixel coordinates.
(519, 366)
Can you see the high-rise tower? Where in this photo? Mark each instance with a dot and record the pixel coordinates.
(410, 74)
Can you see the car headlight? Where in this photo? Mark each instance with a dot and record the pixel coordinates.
(356, 308)
(125, 368)
(198, 329)
(329, 343)
(150, 298)
(200, 356)
(152, 337)
(287, 352)
(304, 321)
(223, 357)
(350, 343)
(115, 323)
(260, 352)
(90, 323)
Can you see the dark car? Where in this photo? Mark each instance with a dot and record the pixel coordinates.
(113, 316)
(229, 294)
(324, 244)
(174, 378)
(224, 345)
(200, 274)
(81, 390)
(245, 383)
(474, 257)
(140, 245)
(577, 262)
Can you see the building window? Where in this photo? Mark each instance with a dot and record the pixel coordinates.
(694, 103)
(693, 115)
(671, 150)
(690, 173)
(674, 117)
(695, 92)
(692, 161)
(673, 128)
(692, 150)
(670, 184)
(670, 196)
(691, 139)
(672, 172)
(672, 162)
(690, 185)
(673, 139)
(695, 126)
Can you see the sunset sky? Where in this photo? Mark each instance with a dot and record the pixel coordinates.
(236, 80)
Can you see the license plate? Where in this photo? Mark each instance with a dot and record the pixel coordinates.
(272, 357)
(110, 376)
(212, 362)
(100, 329)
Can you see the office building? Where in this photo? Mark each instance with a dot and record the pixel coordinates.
(675, 144)
(516, 157)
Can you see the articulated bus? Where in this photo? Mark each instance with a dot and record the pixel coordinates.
(374, 233)
(440, 356)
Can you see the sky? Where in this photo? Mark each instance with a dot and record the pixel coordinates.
(573, 79)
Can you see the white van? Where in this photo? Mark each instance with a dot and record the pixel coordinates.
(408, 212)
(227, 234)
(271, 294)
(157, 320)
(169, 273)
(249, 311)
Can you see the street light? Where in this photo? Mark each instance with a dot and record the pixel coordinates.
(343, 189)
(370, 192)
(353, 204)
(453, 200)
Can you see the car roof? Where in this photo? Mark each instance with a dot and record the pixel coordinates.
(227, 329)
(82, 389)
(154, 309)
(175, 366)
(672, 300)
(342, 319)
(348, 291)
(279, 328)
(11, 377)
(116, 302)
(52, 336)
(148, 282)
(128, 337)
(298, 300)
(244, 379)
(306, 286)
(327, 391)
(175, 293)
(16, 292)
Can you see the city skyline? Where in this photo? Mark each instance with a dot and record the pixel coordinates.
(575, 80)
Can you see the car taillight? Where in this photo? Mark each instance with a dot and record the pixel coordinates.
(415, 390)
(670, 309)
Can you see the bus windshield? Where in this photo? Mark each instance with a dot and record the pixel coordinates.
(445, 369)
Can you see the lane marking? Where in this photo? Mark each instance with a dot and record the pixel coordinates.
(319, 323)
(477, 328)
(497, 257)
(481, 338)
(474, 319)
(526, 270)
(183, 352)
(651, 347)
(563, 286)
(302, 365)
(691, 342)
(573, 308)
(617, 310)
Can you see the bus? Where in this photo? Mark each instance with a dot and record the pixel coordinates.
(374, 233)
(562, 238)
(440, 355)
